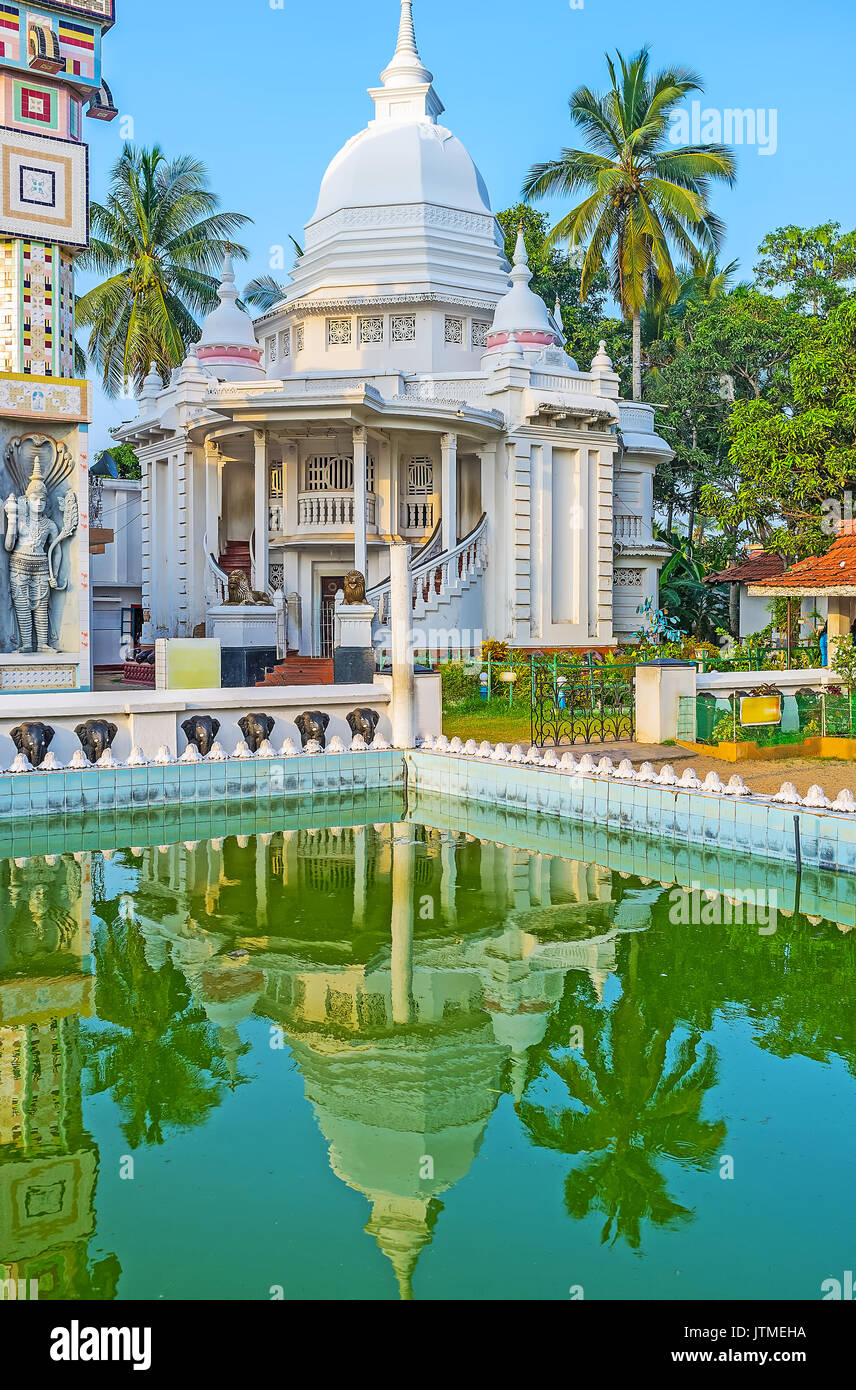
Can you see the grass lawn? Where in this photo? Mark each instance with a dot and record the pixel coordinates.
(495, 721)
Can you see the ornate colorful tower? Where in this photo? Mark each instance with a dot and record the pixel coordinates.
(50, 79)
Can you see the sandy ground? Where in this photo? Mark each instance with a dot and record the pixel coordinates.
(833, 774)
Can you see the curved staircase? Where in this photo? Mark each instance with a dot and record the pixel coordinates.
(441, 585)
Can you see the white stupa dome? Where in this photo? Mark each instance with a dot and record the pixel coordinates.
(413, 162)
(403, 208)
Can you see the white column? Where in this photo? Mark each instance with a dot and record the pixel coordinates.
(360, 461)
(401, 619)
(262, 484)
(449, 486)
(401, 961)
(212, 497)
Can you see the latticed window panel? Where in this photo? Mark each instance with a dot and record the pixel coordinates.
(299, 337)
(629, 579)
(371, 331)
(276, 575)
(335, 473)
(339, 332)
(420, 477)
(403, 328)
(285, 343)
(270, 350)
(455, 332)
(480, 332)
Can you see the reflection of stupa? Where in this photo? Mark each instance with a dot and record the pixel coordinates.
(411, 1003)
(48, 1162)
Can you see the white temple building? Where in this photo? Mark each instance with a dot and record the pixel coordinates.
(411, 385)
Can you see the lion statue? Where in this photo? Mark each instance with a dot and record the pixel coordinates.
(355, 589)
(242, 594)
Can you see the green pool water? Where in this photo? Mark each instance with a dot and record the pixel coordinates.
(364, 1057)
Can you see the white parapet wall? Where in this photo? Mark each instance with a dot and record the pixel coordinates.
(151, 720)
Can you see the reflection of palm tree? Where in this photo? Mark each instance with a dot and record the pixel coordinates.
(639, 1089)
(155, 1059)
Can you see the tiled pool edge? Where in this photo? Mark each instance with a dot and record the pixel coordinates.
(746, 825)
(37, 794)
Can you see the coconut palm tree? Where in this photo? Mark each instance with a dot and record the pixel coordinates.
(159, 242)
(643, 195)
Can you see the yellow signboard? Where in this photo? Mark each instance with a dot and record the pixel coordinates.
(187, 664)
(758, 710)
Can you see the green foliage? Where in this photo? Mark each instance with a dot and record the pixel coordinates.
(460, 682)
(699, 609)
(159, 241)
(844, 661)
(813, 264)
(795, 446)
(126, 461)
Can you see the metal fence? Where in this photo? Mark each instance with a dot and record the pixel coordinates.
(767, 716)
(581, 704)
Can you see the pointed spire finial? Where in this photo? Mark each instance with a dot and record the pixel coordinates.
(406, 68)
(521, 272)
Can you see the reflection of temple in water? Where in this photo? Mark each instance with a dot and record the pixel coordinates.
(48, 1162)
(413, 973)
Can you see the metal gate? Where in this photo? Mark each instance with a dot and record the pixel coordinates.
(582, 704)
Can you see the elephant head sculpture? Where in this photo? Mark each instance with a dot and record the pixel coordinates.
(201, 730)
(33, 739)
(96, 736)
(365, 722)
(257, 729)
(313, 726)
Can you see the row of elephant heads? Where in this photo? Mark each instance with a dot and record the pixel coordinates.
(96, 736)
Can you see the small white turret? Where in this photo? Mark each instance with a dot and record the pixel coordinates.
(228, 348)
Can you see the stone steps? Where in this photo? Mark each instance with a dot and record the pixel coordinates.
(300, 670)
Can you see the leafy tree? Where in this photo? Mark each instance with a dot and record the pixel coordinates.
(159, 240)
(793, 447)
(643, 195)
(813, 264)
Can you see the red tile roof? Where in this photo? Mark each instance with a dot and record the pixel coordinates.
(832, 571)
(751, 571)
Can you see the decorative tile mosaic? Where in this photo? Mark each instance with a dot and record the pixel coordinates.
(44, 190)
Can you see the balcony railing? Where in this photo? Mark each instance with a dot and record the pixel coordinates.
(417, 516)
(332, 511)
(631, 530)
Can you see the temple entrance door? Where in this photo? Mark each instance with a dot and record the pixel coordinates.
(330, 587)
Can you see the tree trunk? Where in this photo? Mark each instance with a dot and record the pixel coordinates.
(734, 611)
(637, 356)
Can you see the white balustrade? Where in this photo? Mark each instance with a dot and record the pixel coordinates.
(417, 516)
(332, 511)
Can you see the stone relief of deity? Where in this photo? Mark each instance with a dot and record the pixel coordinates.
(37, 466)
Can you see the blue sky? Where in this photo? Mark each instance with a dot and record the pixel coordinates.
(266, 96)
